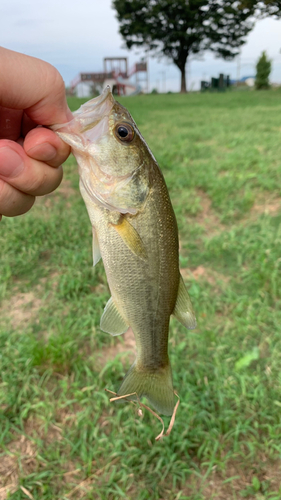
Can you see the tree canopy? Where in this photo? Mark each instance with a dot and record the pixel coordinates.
(179, 28)
(263, 71)
(263, 8)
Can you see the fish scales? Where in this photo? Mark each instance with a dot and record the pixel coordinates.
(135, 233)
(146, 307)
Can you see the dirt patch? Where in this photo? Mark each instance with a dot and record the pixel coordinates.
(269, 205)
(207, 216)
(127, 347)
(82, 489)
(204, 273)
(21, 458)
(36, 428)
(265, 475)
(21, 308)
(21, 454)
(8, 476)
(65, 191)
(68, 416)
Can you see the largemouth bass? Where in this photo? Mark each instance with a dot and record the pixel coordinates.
(135, 232)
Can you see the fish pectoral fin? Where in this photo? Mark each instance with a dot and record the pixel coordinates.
(96, 248)
(111, 321)
(130, 237)
(183, 310)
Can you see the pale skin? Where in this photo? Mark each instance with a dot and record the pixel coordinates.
(32, 93)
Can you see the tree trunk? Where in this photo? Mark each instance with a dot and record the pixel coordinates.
(183, 80)
(180, 62)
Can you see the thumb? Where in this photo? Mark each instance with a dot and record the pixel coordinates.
(33, 85)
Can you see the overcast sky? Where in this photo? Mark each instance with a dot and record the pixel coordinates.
(76, 35)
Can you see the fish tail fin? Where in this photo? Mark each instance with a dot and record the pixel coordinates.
(156, 386)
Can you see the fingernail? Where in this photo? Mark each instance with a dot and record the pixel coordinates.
(43, 152)
(11, 163)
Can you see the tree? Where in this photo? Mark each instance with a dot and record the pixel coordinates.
(179, 28)
(263, 8)
(263, 68)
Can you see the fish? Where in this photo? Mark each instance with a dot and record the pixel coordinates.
(135, 233)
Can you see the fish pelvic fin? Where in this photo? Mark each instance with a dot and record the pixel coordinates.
(156, 386)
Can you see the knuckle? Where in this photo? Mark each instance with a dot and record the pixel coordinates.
(2, 187)
(55, 82)
(12, 201)
(52, 77)
(45, 180)
(37, 185)
(62, 155)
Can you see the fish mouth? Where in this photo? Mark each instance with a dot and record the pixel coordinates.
(90, 113)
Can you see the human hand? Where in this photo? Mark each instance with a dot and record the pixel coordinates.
(32, 93)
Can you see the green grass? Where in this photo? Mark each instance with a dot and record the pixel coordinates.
(60, 437)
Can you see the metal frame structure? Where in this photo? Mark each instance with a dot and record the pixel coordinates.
(116, 68)
(116, 65)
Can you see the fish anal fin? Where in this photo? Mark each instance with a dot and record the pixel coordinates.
(111, 321)
(96, 248)
(130, 237)
(183, 310)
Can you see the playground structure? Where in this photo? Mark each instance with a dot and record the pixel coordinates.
(117, 75)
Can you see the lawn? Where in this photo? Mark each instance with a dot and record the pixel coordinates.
(60, 437)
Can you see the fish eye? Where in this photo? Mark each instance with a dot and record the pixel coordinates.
(124, 132)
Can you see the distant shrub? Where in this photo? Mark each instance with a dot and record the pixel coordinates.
(263, 68)
(154, 91)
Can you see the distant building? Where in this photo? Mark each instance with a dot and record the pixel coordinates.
(84, 89)
(248, 80)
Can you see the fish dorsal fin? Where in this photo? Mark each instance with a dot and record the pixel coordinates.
(111, 321)
(183, 310)
(130, 237)
(96, 248)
